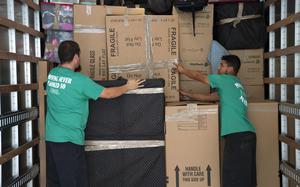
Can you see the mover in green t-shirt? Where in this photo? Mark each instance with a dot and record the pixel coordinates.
(68, 93)
(239, 156)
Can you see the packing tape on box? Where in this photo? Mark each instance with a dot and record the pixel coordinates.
(164, 64)
(149, 66)
(99, 145)
(79, 28)
(126, 68)
(188, 114)
(108, 9)
(143, 67)
(146, 91)
(148, 47)
(252, 109)
(88, 10)
(150, 63)
(126, 22)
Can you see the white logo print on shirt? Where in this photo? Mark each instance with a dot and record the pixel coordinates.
(242, 97)
(56, 82)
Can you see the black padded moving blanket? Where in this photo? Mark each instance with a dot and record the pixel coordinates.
(138, 167)
(129, 117)
(125, 138)
(249, 31)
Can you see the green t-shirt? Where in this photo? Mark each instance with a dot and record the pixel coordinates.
(68, 93)
(234, 117)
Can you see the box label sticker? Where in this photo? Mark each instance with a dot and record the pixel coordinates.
(193, 174)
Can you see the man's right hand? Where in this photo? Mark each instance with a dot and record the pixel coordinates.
(184, 93)
(133, 84)
(180, 68)
(114, 92)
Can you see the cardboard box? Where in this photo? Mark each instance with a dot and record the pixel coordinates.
(129, 41)
(191, 85)
(164, 38)
(121, 10)
(164, 48)
(252, 66)
(171, 82)
(197, 47)
(126, 40)
(264, 116)
(89, 16)
(256, 92)
(194, 48)
(93, 54)
(192, 145)
(144, 47)
(90, 34)
(202, 66)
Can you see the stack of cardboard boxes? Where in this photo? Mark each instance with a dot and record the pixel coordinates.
(144, 47)
(192, 129)
(194, 47)
(90, 33)
(117, 41)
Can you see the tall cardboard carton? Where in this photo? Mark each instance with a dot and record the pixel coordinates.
(264, 116)
(192, 145)
(89, 33)
(164, 38)
(164, 52)
(126, 40)
(255, 92)
(195, 48)
(144, 47)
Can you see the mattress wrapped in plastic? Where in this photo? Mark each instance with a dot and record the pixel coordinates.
(137, 115)
(240, 25)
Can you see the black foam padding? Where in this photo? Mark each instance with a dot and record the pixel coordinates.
(248, 34)
(139, 167)
(128, 117)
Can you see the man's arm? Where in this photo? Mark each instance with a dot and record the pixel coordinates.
(201, 97)
(196, 75)
(109, 93)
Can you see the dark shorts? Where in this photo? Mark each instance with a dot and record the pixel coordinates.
(239, 160)
(65, 165)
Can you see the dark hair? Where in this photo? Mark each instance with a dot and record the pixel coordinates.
(232, 61)
(67, 50)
